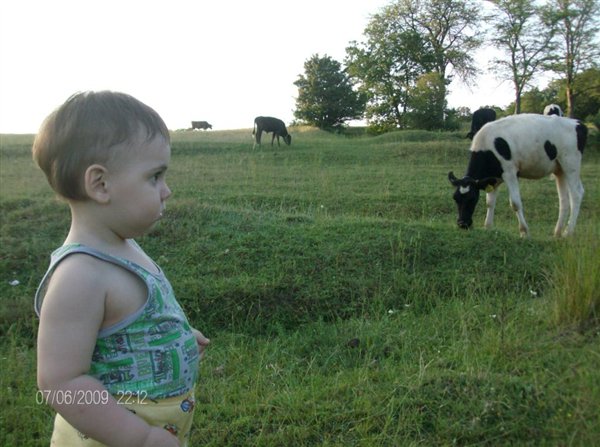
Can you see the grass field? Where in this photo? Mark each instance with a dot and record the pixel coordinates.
(344, 306)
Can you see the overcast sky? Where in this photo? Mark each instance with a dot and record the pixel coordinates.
(224, 61)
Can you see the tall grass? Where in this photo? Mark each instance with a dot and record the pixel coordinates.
(575, 281)
(343, 305)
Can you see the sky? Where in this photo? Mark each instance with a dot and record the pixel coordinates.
(223, 61)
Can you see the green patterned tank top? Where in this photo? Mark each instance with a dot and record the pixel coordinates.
(151, 352)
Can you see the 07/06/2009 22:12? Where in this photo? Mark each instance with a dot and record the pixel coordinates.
(88, 397)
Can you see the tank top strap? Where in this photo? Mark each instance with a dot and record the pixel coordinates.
(66, 250)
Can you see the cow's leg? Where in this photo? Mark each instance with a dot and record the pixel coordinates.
(515, 203)
(575, 197)
(563, 203)
(490, 202)
(273, 139)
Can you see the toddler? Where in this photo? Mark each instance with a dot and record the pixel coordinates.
(117, 358)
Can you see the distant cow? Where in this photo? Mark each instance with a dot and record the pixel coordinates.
(269, 124)
(480, 117)
(529, 146)
(201, 125)
(553, 109)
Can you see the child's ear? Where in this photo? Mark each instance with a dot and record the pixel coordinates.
(95, 183)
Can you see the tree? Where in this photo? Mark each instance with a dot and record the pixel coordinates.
(534, 100)
(586, 101)
(408, 39)
(520, 33)
(326, 98)
(450, 29)
(386, 67)
(586, 93)
(577, 28)
(426, 98)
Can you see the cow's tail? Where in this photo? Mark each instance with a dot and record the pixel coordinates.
(254, 129)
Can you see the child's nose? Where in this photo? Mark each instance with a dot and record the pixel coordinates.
(166, 193)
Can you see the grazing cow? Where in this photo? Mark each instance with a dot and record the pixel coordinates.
(529, 146)
(553, 109)
(201, 125)
(480, 117)
(269, 124)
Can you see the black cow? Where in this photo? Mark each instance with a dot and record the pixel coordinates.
(269, 124)
(201, 125)
(523, 146)
(480, 117)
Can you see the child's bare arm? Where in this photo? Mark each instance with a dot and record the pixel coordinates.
(71, 316)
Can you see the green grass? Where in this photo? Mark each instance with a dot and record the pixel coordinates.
(343, 305)
(576, 283)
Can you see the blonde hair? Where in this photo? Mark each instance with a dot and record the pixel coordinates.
(82, 132)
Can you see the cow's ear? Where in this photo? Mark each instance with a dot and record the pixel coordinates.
(453, 180)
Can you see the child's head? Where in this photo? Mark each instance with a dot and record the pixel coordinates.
(86, 130)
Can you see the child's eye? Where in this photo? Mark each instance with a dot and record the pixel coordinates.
(156, 177)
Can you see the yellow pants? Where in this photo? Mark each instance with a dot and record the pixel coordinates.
(174, 414)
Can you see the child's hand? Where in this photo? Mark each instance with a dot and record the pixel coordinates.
(201, 340)
(159, 437)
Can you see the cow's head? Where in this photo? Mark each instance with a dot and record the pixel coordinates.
(466, 196)
(288, 139)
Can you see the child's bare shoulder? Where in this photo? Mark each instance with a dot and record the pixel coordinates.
(89, 268)
(79, 280)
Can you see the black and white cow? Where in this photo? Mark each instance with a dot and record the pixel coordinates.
(480, 117)
(201, 125)
(529, 146)
(553, 109)
(269, 124)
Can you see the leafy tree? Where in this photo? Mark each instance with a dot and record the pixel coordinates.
(426, 98)
(408, 39)
(463, 113)
(534, 100)
(387, 66)
(326, 98)
(587, 99)
(586, 93)
(450, 28)
(579, 47)
(520, 33)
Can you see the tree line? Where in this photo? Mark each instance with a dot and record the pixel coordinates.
(398, 76)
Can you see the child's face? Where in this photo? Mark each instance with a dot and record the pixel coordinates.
(138, 187)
